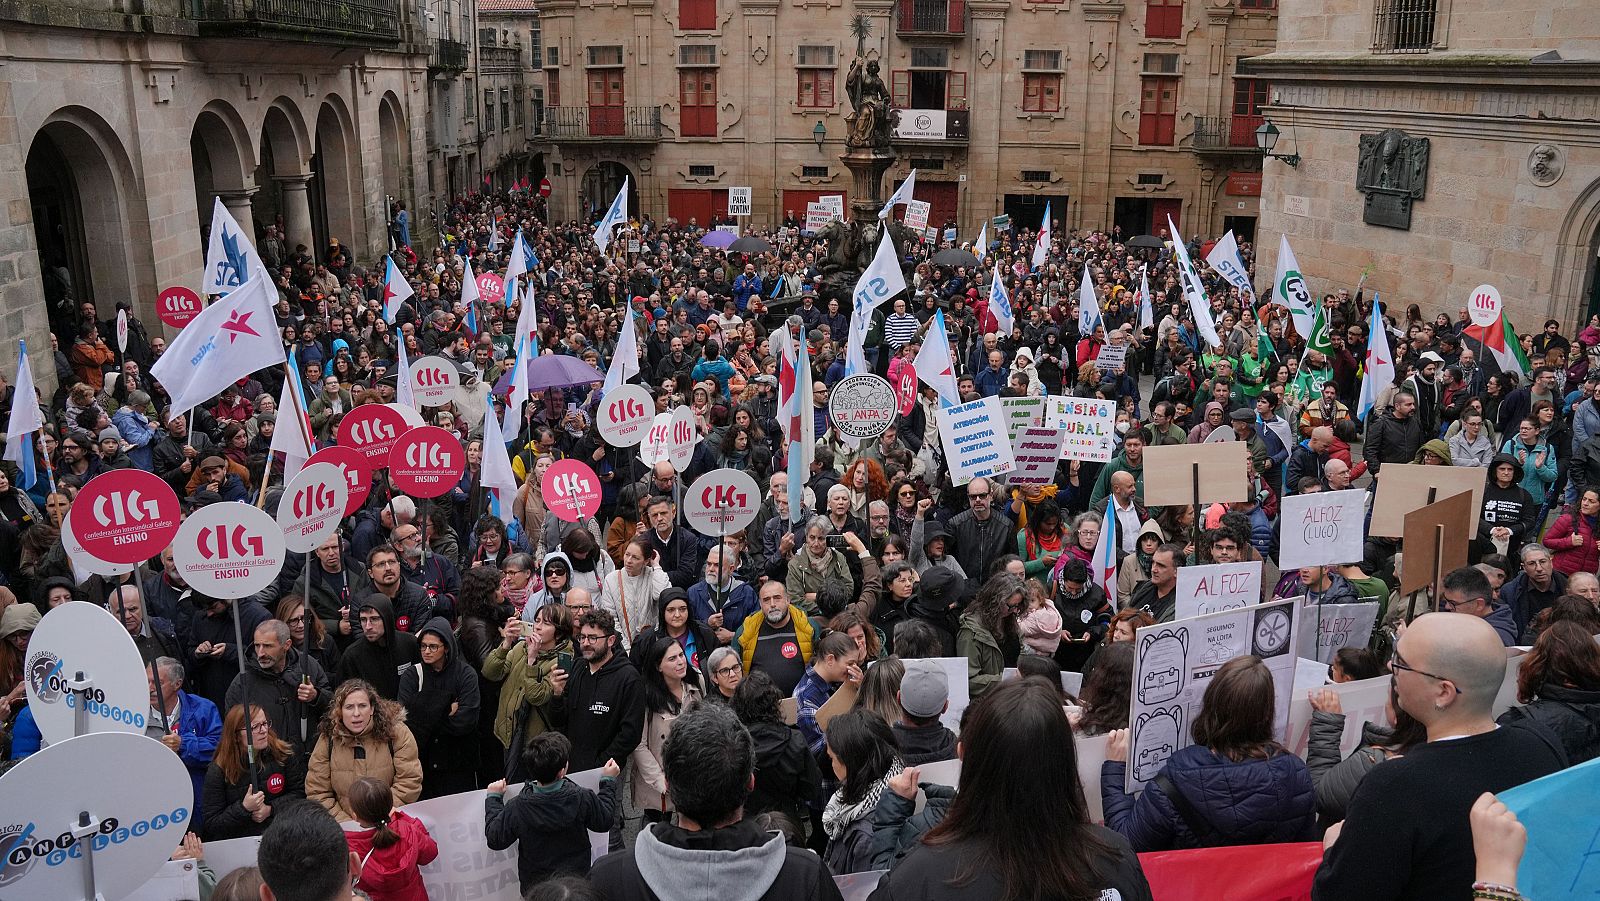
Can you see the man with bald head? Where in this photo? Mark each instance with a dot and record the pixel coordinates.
(1131, 514)
(1406, 834)
(1309, 458)
(1336, 475)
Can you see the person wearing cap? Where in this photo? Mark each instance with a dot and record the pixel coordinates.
(924, 696)
(133, 426)
(108, 445)
(214, 476)
(1423, 384)
(1244, 429)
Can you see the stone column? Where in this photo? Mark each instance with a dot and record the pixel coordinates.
(238, 204)
(296, 211)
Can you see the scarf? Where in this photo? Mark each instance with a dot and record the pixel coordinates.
(838, 816)
(1031, 495)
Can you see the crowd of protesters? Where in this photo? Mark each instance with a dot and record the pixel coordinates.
(433, 648)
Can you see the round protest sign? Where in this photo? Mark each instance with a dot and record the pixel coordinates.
(177, 305)
(625, 415)
(681, 438)
(491, 288)
(571, 490)
(122, 331)
(434, 381)
(1483, 305)
(312, 506)
(905, 389)
(371, 430)
(229, 550)
(358, 482)
(84, 638)
(427, 462)
(722, 501)
(654, 448)
(138, 794)
(862, 406)
(85, 564)
(132, 515)
(413, 418)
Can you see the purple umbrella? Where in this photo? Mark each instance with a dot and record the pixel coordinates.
(554, 371)
(719, 239)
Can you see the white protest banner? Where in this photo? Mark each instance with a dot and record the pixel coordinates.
(1219, 586)
(931, 233)
(1362, 702)
(818, 215)
(834, 203)
(955, 671)
(975, 440)
(730, 229)
(1112, 358)
(1174, 662)
(177, 880)
(1338, 626)
(1089, 427)
(1321, 528)
(917, 212)
(738, 201)
(84, 639)
(1036, 426)
(590, 779)
(465, 867)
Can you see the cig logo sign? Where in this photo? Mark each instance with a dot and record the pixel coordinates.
(432, 377)
(570, 485)
(427, 454)
(625, 409)
(313, 499)
(119, 509)
(722, 496)
(371, 432)
(220, 541)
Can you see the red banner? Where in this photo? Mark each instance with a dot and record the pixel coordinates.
(1254, 872)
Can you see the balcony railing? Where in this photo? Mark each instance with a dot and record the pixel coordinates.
(500, 59)
(1403, 26)
(448, 56)
(1230, 134)
(932, 17)
(331, 21)
(595, 123)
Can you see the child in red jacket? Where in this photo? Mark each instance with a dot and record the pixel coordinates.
(392, 845)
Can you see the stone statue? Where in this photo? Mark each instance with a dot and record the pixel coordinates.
(1392, 171)
(871, 121)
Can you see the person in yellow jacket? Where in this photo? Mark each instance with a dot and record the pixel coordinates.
(778, 639)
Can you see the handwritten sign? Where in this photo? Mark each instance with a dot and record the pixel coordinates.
(1321, 528)
(1339, 626)
(1219, 586)
(1037, 430)
(1088, 428)
(917, 214)
(976, 442)
(1113, 358)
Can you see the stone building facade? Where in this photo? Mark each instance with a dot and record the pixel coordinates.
(1114, 112)
(117, 129)
(1507, 102)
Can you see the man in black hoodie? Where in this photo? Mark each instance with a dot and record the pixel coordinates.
(600, 706)
(290, 686)
(382, 651)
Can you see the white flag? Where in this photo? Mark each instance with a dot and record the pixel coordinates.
(292, 435)
(615, 216)
(1224, 258)
(981, 249)
(517, 265)
(881, 281)
(1289, 289)
(935, 364)
(396, 289)
(901, 194)
(625, 359)
(494, 233)
(403, 391)
(231, 260)
(469, 283)
(1199, 304)
(1000, 302)
(25, 420)
(497, 476)
(1088, 306)
(229, 340)
(1041, 247)
(1147, 315)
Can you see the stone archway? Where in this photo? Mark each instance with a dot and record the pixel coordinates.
(335, 176)
(601, 184)
(1575, 280)
(223, 167)
(76, 174)
(396, 147)
(282, 174)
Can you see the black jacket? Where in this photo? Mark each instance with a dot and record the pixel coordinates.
(978, 544)
(924, 744)
(550, 827)
(223, 801)
(1569, 717)
(678, 557)
(929, 873)
(669, 863)
(278, 695)
(602, 713)
(379, 662)
(210, 677)
(787, 777)
(1391, 440)
(446, 742)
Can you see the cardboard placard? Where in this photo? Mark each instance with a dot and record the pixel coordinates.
(1324, 528)
(1338, 626)
(1169, 474)
(1216, 587)
(1403, 487)
(1089, 428)
(976, 442)
(1423, 551)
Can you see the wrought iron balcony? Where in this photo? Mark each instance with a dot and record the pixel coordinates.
(362, 23)
(1226, 134)
(931, 17)
(448, 56)
(499, 59)
(602, 123)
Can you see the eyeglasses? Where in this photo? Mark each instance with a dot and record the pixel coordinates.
(297, 620)
(591, 639)
(727, 670)
(1398, 663)
(431, 646)
(260, 728)
(982, 495)
(908, 493)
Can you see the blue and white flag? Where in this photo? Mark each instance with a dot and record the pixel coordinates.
(1105, 552)
(25, 422)
(497, 477)
(1378, 367)
(1000, 302)
(981, 248)
(1088, 306)
(517, 265)
(231, 260)
(1041, 247)
(794, 413)
(231, 339)
(882, 281)
(1193, 290)
(615, 216)
(1224, 258)
(936, 364)
(901, 195)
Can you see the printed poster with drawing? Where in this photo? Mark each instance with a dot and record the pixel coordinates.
(1174, 662)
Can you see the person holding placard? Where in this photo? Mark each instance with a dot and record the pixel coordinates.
(233, 805)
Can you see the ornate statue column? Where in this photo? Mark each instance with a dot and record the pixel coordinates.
(869, 148)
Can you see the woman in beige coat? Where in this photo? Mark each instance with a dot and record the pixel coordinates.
(359, 718)
(666, 695)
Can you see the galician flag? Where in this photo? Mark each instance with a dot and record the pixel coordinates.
(293, 435)
(1501, 344)
(1289, 288)
(935, 364)
(497, 477)
(231, 260)
(794, 412)
(625, 359)
(1104, 572)
(1041, 246)
(981, 248)
(1379, 363)
(1000, 302)
(1193, 290)
(395, 290)
(1224, 258)
(517, 265)
(881, 281)
(231, 339)
(1147, 315)
(25, 421)
(615, 216)
(901, 195)
(403, 392)
(1088, 305)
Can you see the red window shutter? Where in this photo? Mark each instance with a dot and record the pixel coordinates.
(1163, 19)
(825, 88)
(958, 16)
(900, 88)
(697, 15)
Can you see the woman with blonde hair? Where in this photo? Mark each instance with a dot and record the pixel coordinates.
(362, 734)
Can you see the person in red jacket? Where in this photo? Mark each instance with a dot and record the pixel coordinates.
(1574, 538)
(391, 844)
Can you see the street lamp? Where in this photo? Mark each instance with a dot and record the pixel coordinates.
(819, 134)
(1267, 139)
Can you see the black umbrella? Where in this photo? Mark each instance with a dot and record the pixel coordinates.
(749, 244)
(1150, 242)
(955, 256)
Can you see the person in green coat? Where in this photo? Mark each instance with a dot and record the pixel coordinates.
(523, 660)
(1041, 541)
(988, 635)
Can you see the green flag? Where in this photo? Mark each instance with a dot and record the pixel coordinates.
(1318, 341)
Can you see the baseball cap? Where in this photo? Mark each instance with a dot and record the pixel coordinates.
(766, 380)
(925, 689)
